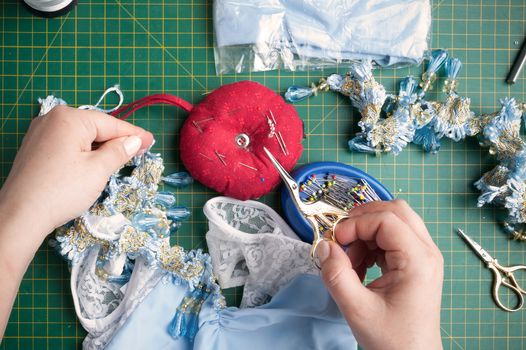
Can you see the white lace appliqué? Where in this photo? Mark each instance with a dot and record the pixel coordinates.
(103, 306)
(251, 245)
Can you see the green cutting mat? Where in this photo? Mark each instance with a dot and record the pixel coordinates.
(166, 46)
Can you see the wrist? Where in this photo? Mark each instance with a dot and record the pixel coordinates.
(22, 230)
(433, 341)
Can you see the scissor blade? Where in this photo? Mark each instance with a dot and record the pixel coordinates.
(281, 170)
(289, 181)
(481, 252)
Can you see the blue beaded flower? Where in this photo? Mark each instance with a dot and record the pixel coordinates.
(428, 138)
(365, 93)
(517, 164)
(453, 118)
(128, 218)
(501, 133)
(493, 186)
(390, 134)
(516, 200)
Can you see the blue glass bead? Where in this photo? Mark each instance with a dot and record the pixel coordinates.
(166, 199)
(360, 144)
(143, 221)
(390, 104)
(179, 179)
(427, 137)
(178, 213)
(407, 93)
(361, 71)
(297, 93)
(452, 67)
(438, 57)
(162, 231)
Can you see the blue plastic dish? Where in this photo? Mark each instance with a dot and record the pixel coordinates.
(297, 221)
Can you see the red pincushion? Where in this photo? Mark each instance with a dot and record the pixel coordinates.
(210, 150)
(211, 138)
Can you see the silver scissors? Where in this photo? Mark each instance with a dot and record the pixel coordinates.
(322, 217)
(503, 275)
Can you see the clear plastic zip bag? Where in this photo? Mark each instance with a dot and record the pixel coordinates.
(262, 35)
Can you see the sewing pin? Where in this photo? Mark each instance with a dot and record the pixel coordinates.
(272, 115)
(281, 143)
(207, 157)
(197, 126)
(220, 156)
(284, 144)
(197, 122)
(248, 166)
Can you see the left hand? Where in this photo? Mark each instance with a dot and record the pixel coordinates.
(57, 175)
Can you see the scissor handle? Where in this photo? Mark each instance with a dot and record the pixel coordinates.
(318, 238)
(509, 282)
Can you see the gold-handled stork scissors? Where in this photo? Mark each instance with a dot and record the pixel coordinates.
(322, 216)
(502, 275)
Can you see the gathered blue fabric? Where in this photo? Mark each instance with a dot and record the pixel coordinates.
(302, 315)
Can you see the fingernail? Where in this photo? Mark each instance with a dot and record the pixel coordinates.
(323, 250)
(132, 144)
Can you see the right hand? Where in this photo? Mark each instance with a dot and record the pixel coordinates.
(400, 309)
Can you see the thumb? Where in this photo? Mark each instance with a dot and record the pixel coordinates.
(114, 153)
(354, 300)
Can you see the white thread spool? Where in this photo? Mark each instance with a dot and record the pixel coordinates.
(48, 7)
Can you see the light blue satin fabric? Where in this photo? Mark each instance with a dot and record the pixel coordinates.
(302, 315)
(386, 31)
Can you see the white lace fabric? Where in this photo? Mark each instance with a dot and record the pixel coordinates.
(251, 245)
(103, 306)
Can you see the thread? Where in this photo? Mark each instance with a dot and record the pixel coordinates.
(49, 8)
(48, 5)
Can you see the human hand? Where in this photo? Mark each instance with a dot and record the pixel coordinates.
(400, 309)
(57, 175)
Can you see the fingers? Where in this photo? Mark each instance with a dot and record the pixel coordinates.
(385, 228)
(357, 253)
(96, 126)
(107, 127)
(344, 284)
(113, 154)
(402, 210)
(104, 127)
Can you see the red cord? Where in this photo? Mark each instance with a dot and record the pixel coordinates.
(152, 100)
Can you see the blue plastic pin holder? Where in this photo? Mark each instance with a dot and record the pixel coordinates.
(338, 182)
